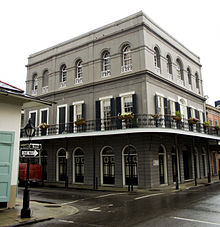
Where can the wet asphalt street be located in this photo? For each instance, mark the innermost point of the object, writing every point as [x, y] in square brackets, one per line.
[193, 207]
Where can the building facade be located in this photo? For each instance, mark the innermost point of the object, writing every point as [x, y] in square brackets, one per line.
[129, 108]
[213, 118]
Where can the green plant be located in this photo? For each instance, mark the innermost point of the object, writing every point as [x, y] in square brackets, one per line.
[178, 116]
[206, 124]
[126, 116]
[217, 127]
[155, 116]
[193, 120]
[80, 121]
[43, 126]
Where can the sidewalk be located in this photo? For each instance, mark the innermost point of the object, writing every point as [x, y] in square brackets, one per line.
[45, 211]
[39, 212]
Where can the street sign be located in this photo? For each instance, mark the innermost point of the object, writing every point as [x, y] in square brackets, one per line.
[29, 153]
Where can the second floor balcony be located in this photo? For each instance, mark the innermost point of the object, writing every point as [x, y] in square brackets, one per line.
[139, 123]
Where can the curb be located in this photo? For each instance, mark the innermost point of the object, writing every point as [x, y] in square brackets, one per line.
[30, 222]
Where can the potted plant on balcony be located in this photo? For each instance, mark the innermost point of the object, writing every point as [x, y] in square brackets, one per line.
[43, 126]
[155, 116]
[206, 124]
[80, 121]
[193, 120]
[217, 128]
[126, 116]
[178, 116]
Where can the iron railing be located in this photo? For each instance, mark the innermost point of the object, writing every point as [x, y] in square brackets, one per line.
[137, 121]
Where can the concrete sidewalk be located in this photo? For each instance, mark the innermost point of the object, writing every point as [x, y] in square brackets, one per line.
[39, 212]
[45, 211]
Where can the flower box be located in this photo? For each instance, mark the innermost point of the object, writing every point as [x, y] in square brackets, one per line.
[217, 127]
[43, 126]
[206, 124]
[155, 116]
[193, 121]
[178, 116]
[126, 116]
[80, 121]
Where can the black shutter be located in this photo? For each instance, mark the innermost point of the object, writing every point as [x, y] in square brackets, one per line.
[84, 110]
[167, 113]
[156, 104]
[118, 112]
[113, 117]
[44, 116]
[134, 102]
[189, 112]
[98, 115]
[177, 106]
[71, 118]
[84, 116]
[203, 116]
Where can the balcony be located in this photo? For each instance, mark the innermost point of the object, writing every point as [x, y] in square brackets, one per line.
[138, 123]
[44, 89]
[78, 80]
[126, 68]
[63, 84]
[105, 73]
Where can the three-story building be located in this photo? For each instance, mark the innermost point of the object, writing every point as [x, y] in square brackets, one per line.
[130, 108]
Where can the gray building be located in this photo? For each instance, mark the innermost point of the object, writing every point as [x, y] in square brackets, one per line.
[129, 109]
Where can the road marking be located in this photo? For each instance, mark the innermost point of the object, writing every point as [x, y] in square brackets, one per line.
[194, 220]
[147, 196]
[102, 196]
[74, 201]
[96, 209]
[66, 221]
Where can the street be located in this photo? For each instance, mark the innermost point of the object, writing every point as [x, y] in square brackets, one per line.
[193, 207]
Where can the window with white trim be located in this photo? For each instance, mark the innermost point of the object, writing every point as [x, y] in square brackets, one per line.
[157, 60]
[160, 103]
[35, 83]
[126, 59]
[79, 69]
[172, 108]
[169, 65]
[63, 73]
[106, 64]
[78, 111]
[127, 104]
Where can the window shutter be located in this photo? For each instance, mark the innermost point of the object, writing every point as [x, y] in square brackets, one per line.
[177, 106]
[71, 118]
[84, 110]
[98, 116]
[167, 113]
[118, 111]
[112, 102]
[134, 100]
[156, 104]
[203, 116]
[189, 113]
[165, 101]
[197, 114]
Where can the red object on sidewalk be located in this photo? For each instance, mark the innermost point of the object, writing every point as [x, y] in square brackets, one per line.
[35, 172]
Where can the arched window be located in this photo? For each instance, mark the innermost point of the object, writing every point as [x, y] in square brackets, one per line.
[197, 80]
[189, 76]
[126, 59]
[157, 59]
[34, 82]
[43, 157]
[106, 61]
[79, 69]
[162, 165]
[179, 69]
[45, 79]
[78, 160]
[130, 165]
[63, 73]
[61, 165]
[108, 166]
[169, 65]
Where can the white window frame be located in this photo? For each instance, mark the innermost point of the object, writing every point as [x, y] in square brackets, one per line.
[29, 116]
[126, 61]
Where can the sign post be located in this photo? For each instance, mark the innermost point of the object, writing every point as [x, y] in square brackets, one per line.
[26, 211]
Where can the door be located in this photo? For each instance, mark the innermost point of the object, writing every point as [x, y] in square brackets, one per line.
[44, 120]
[6, 157]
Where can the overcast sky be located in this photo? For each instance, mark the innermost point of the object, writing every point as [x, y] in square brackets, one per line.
[28, 26]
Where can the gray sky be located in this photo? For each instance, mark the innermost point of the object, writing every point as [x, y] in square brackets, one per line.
[28, 26]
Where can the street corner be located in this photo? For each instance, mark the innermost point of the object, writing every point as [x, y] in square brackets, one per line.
[40, 211]
[44, 209]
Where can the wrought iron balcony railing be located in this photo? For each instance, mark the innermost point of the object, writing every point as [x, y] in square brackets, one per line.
[137, 121]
